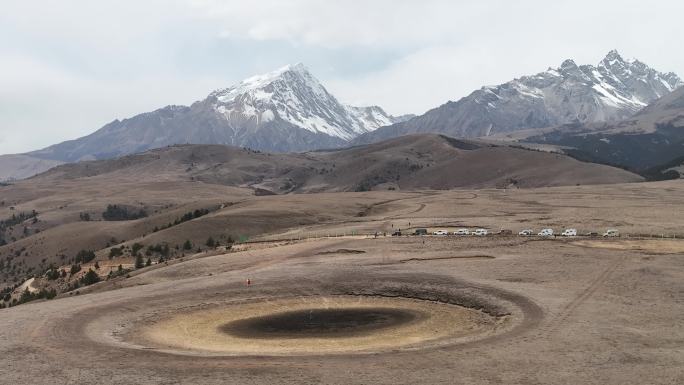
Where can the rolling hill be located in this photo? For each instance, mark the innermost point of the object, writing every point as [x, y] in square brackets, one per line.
[184, 192]
[411, 162]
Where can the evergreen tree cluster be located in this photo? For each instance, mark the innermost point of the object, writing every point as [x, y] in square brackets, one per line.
[122, 213]
[190, 215]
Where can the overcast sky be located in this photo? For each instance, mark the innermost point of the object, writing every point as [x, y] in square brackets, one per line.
[67, 67]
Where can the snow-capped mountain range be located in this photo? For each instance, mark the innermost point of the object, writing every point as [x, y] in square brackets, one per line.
[284, 110]
[612, 90]
[290, 110]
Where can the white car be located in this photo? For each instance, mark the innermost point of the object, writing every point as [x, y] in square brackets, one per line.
[440, 232]
[526, 233]
[480, 232]
[611, 233]
[462, 232]
[546, 233]
[569, 233]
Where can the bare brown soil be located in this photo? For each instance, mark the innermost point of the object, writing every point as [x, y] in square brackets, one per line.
[660, 246]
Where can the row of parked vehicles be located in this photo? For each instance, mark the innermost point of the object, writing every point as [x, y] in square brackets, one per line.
[568, 233]
[523, 233]
[478, 232]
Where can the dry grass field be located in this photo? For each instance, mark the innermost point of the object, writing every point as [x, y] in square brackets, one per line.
[190, 193]
[462, 310]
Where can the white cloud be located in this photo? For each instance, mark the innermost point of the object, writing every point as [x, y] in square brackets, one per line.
[336, 23]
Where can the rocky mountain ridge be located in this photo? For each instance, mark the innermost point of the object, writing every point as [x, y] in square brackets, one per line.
[610, 91]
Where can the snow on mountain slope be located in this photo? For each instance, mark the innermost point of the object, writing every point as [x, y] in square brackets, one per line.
[290, 94]
[614, 89]
[293, 95]
[374, 117]
[651, 138]
[284, 110]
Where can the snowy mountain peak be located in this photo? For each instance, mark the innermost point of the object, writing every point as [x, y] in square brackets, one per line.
[612, 90]
[292, 97]
[613, 56]
[297, 67]
[568, 65]
[283, 110]
[287, 74]
[374, 117]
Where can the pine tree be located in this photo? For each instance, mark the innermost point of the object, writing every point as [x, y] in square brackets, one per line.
[90, 278]
[211, 242]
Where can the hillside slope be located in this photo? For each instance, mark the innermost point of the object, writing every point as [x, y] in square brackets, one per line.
[191, 192]
[411, 162]
[652, 137]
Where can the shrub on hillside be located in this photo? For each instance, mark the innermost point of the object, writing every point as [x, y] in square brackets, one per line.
[74, 269]
[84, 256]
[90, 278]
[52, 274]
[115, 252]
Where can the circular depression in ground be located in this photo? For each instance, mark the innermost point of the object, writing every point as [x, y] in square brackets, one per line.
[314, 325]
[320, 323]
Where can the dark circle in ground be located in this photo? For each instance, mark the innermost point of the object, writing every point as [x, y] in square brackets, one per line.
[320, 323]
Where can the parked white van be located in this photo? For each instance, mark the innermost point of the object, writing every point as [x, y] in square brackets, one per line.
[611, 233]
[526, 233]
[569, 233]
[441, 232]
[546, 233]
[480, 232]
[462, 232]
